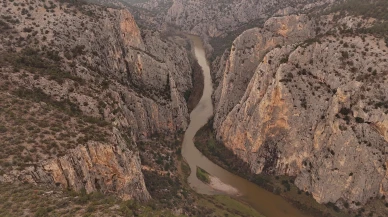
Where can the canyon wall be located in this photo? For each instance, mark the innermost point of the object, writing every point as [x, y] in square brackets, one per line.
[308, 99]
[91, 85]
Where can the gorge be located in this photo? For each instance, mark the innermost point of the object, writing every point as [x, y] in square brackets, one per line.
[193, 108]
[265, 202]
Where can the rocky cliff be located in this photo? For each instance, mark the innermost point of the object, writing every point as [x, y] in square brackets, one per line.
[217, 22]
[234, 70]
[307, 98]
[81, 85]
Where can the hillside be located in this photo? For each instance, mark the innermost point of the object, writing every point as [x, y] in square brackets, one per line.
[305, 96]
[92, 112]
[79, 92]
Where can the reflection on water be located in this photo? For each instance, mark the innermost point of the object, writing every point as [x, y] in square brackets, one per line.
[267, 203]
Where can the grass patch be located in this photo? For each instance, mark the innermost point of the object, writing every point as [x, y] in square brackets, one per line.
[185, 169]
[203, 175]
[223, 205]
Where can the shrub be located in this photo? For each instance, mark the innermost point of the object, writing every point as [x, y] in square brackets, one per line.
[332, 205]
[345, 54]
[284, 59]
[286, 185]
[187, 95]
[345, 111]
[78, 50]
[3, 129]
[83, 197]
[41, 212]
[27, 29]
[343, 128]
[359, 120]
[4, 25]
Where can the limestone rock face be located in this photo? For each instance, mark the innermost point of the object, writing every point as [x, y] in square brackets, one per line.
[312, 109]
[237, 66]
[109, 168]
[102, 167]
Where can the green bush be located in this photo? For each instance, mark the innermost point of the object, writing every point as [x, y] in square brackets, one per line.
[203, 175]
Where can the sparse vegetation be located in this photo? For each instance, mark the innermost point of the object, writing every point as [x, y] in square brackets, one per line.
[18, 200]
[376, 8]
[45, 64]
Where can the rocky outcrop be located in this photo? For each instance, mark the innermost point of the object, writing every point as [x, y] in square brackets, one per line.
[95, 166]
[314, 110]
[237, 66]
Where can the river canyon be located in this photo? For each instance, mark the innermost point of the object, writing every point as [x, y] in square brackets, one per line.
[265, 202]
[111, 107]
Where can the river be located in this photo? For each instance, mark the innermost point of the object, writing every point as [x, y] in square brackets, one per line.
[265, 202]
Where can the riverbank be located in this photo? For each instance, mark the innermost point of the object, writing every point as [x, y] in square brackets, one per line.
[213, 205]
[194, 95]
[218, 185]
[205, 142]
[215, 183]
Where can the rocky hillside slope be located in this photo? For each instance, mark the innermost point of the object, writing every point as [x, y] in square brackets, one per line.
[80, 86]
[217, 22]
[214, 18]
[306, 96]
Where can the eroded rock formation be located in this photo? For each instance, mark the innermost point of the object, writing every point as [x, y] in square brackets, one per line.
[314, 109]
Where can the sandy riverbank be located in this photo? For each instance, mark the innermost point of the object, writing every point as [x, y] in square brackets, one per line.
[218, 185]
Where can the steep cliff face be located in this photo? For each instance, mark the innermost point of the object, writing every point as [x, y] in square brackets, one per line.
[235, 69]
[94, 166]
[314, 109]
[91, 85]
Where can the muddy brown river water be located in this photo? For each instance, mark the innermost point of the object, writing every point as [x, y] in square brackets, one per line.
[263, 201]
